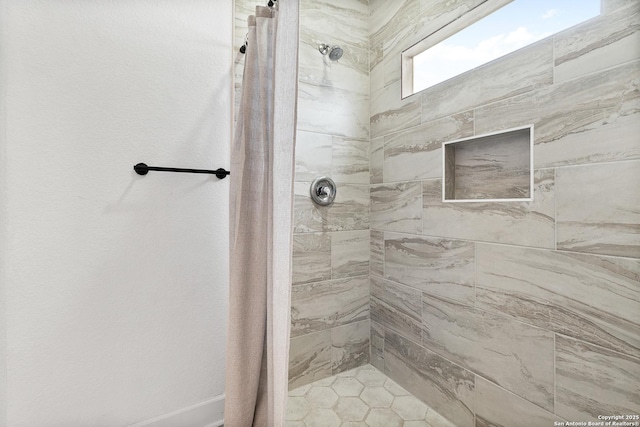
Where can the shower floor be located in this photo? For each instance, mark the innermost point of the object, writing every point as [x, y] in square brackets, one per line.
[361, 397]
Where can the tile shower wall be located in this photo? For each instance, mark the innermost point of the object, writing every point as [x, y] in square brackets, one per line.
[330, 294]
[521, 313]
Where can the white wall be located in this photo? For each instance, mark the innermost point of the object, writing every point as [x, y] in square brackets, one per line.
[3, 341]
[116, 284]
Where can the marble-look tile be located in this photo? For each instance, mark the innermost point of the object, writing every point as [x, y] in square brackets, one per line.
[445, 387]
[397, 35]
[589, 297]
[416, 153]
[377, 397]
[434, 419]
[597, 44]
[392, 60]
[347, 386]
[339, 112]
[311, 257]
[376, 161]
[410, 408]
[516, 356]
[528, 223]
[397, 307]
[397, 207]
[313, 155]
[314, 307]
[351, 411]
[345, 20]
[592, 381]
[350, 161]
[349, 211]
[354, 300]
[391, 113]
[349, 346]
[436, 14]
[395, 389]
[307, 216]
[383, 417]
[321, 397]
[309, 358]
[491, 167]
[519, 72]
[350, 253]
[572, 119]
[390, 21]
[440, 267]
[611, 6]
[323, 305]
[376, 67]
[335, 22]
[449, 163]
[376, 263]
[297, 408]
[597, 209]
[299, 392]
[371, 377]
[496, 407]
[377, 345]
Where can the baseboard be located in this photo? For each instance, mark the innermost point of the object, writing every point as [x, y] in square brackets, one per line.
[209, 413]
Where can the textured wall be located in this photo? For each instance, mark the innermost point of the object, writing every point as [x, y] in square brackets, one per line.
[116, 284]
[330, 295]
[521, 313]
[3, 216]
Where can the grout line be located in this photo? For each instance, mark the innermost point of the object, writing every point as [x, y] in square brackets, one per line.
[555, 209]
[475, 275]
[475, 400]
[510, 245]
[601, 71]
[384, 254]
[474, 122]
[603, 163]
[555, 384]
[600, 347]
[517, 396]
[553, 59]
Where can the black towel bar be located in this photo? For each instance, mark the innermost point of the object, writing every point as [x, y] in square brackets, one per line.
[143, 169]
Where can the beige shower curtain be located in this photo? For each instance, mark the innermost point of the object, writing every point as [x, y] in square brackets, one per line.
[261, 208]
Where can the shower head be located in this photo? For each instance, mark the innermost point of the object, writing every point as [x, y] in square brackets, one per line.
[334, 52]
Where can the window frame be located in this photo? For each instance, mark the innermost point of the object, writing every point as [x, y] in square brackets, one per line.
[469, 18]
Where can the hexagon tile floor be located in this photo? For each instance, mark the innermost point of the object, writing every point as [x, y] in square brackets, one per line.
[361, 397]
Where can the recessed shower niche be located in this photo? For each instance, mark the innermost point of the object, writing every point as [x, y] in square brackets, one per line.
[491, 167]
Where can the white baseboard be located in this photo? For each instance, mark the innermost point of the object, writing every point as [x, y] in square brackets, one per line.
[209, 413]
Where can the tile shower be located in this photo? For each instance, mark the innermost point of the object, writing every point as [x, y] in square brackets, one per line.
[505, 314]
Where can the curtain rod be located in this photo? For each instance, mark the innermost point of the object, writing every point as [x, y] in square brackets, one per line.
[243, 48]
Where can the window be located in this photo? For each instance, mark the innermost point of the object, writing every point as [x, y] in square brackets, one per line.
[514, 26]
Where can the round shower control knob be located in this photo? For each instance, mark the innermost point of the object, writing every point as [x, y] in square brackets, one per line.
[323, 191]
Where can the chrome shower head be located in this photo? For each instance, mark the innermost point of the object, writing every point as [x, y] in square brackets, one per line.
[334, 52]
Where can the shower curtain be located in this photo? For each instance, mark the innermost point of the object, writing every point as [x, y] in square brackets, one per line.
[261, 212]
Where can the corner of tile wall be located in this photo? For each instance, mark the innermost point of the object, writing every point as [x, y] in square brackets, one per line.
[557, 277]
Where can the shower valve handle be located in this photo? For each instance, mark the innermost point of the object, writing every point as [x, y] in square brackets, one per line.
[323, 191]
